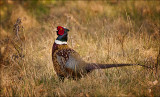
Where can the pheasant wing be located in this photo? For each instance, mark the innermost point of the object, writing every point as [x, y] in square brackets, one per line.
[68, 58]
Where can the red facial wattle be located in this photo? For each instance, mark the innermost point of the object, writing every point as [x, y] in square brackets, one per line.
[60, 30]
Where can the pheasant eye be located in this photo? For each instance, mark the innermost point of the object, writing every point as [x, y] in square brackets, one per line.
[60, 32]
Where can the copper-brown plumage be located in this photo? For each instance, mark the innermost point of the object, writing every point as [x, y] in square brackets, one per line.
[68, 63]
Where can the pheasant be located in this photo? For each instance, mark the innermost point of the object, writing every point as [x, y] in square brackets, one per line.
[68, 63]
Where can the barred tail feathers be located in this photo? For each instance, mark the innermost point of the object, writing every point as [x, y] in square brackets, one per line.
[92, 66]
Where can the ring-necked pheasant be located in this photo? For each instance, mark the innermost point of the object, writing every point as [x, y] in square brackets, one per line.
[68, 63]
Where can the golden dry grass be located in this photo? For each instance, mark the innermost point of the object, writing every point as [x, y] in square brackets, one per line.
[99, 35]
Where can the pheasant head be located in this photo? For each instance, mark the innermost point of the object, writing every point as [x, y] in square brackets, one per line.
[62, 33]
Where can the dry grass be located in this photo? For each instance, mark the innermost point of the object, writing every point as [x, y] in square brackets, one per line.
[99, 36]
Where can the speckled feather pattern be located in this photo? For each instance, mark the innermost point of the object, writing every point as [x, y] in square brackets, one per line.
[60, 55]
[68, 63]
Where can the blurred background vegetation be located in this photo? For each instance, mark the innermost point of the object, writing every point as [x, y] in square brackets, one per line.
[139, 11]
[113, 31]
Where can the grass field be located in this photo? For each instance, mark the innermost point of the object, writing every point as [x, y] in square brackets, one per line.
[100, 31]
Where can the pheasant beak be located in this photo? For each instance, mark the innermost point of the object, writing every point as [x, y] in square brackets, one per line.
[55, 30]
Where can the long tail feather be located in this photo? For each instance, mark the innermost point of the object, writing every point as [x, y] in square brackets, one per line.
[92, 66]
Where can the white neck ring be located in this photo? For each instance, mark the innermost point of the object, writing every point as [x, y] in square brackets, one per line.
[60, 42]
